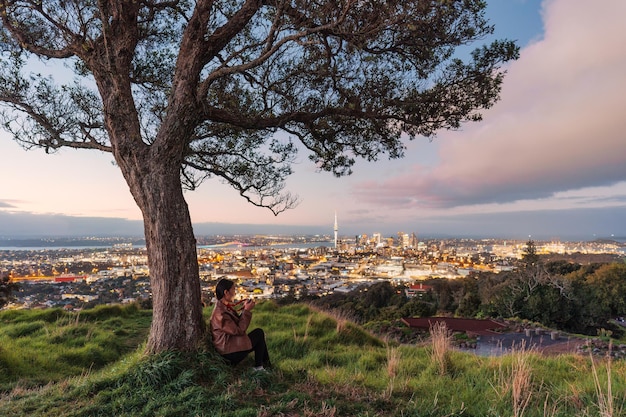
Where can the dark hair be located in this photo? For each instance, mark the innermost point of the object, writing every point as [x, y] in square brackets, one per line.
[222, 286]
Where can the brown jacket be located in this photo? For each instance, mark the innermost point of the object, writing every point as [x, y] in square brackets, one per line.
[229, 330]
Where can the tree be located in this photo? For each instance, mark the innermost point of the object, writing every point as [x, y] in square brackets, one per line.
[468, 298]
[418, 307]
[378, 295]
[529, 253]
[179, 91]
[7, 288]
[609, 283]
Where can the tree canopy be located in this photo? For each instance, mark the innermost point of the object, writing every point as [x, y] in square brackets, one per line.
[346, 78]
[181, 91]
[6, 290]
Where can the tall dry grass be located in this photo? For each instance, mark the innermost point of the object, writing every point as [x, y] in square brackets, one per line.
[393, 365]
[325, 410]
[441, 343]
[521, 382]
[307, 326]
[393, 361]
[342, 318]
[516, 382]
[605, 396]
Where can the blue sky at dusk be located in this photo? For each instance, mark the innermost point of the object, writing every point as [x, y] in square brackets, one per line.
[548, 160]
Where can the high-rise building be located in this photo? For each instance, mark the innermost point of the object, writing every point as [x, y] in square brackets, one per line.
[403, 240]
[406, 242]
[336, 229]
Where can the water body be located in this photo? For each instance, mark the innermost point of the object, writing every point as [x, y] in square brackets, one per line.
[308, 245]
[44, 248]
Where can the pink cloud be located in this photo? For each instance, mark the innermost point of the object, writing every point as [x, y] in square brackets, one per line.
[559, 125]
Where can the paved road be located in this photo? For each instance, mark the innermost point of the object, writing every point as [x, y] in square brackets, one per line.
[501, 344]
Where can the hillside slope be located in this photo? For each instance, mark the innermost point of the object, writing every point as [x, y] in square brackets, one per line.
[54, 363]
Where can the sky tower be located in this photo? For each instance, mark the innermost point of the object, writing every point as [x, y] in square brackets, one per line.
[335, 230]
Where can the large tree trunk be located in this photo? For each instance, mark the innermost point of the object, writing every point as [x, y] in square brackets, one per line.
[152, 173]
[177, 322]
[153, 176]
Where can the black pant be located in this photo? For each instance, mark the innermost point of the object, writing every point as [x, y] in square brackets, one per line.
[261, 356]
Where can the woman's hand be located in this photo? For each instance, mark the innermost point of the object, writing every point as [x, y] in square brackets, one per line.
[249, 304]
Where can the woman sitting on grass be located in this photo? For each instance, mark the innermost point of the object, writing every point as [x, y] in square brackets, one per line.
[228, 327]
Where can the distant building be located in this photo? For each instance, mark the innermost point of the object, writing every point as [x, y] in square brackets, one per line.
[336, 230]
[417, 290]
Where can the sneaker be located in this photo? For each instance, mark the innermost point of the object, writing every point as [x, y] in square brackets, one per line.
[259, 369]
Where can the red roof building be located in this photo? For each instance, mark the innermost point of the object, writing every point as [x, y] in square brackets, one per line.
[417, 289]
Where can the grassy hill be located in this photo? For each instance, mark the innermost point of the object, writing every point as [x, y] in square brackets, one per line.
[54, 363]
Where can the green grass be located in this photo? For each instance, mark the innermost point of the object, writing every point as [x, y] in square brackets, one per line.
[40, 346]
[54, 363]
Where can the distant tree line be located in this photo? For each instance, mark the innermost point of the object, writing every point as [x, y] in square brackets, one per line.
[558, 294]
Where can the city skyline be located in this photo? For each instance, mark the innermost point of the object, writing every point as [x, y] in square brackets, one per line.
[59, 226]
[548, 160]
